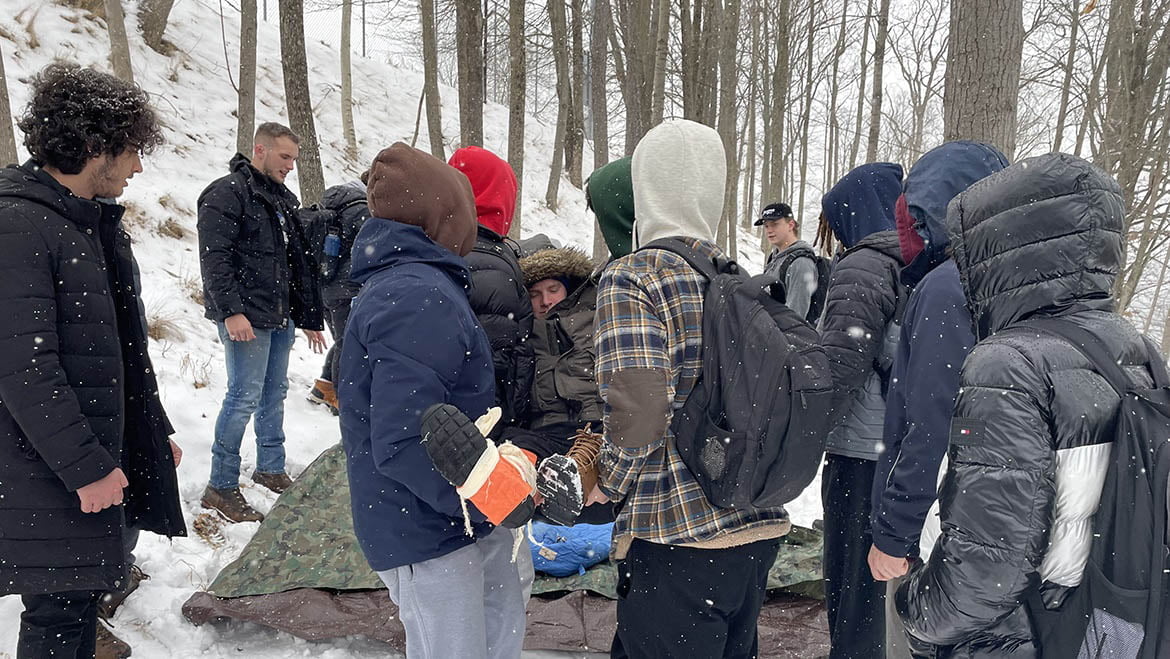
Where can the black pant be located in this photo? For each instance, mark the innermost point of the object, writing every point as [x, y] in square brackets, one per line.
[685, 602]
[59, 625]
[855, 602]
[336, 318]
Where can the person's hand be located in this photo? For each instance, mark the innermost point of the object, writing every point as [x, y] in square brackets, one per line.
[596, 496]
[176, 453]
[103, 493]
[239, 328]
[316, 340]
[885, 567]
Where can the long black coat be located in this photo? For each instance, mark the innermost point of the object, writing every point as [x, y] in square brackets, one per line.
[78, 395]
[1033, 420]
[500, 301]
[253, 254]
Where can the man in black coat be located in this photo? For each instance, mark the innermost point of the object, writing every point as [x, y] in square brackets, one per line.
[84, 455]
[259, 285]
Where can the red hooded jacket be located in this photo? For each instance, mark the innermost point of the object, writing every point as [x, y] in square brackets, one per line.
[493, 183]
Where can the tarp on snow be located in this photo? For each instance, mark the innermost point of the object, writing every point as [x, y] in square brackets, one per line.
[304, 573]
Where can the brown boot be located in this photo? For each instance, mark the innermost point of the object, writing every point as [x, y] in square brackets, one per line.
[276, 482]
[110, 646]
[324, 393]
[585, 451]
[110, 602]
[231, 504]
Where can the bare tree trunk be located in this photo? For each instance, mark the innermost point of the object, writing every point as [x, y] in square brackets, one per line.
[635, 21]
[152, 20]
[781, 81]
[728, 78]
[556, 15]
[7, 135]
[661, 48]
[598, 106]
[834, 128]
[246, 103]
[119, 46]
[806, 112]
[1069, 63]
[300, 105]
[575, 127]
[1166, 336]
[469, 54]
[1157, 296]
[517, 90]
[856, 148]
[879, 57]
[347, 81]
[983, 72]
[431, 79]
[750, 151]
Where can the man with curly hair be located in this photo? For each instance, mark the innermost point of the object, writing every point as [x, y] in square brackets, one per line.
[85, 460]
[259, 285]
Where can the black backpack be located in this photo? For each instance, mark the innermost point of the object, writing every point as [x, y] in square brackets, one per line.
[824, 268]
[753, 430]
[326, 236]
[1119, 609]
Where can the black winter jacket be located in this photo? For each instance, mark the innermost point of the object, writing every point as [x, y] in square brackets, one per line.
[500, 301]
[78, 396]
[860, 335]
[253, 254]
[1033, 420]
[350, 201]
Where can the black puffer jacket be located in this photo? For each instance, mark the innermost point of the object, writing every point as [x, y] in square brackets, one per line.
[500, 301]
[350, 202]
[1033, 421]
[78, 395]
[253, 254]
[860, 335]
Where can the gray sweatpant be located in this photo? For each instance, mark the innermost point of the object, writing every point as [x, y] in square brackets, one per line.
[465, 604]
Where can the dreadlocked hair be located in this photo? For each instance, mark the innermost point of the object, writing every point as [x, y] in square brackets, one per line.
[825, 237]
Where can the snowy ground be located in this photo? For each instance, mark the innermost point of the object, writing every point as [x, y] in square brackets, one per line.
[192, 92]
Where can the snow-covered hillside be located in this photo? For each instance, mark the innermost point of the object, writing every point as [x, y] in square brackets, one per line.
[192, 91]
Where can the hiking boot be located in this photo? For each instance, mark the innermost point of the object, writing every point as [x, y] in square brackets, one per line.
[108, 645]
[324, 393]
[276, 482]
[230, 504]
[565, 480]
[109, 603]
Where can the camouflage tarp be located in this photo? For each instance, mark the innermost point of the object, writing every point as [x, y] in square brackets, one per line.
[307, 541]
[797, 570]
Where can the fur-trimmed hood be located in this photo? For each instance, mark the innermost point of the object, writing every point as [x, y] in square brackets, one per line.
[561, 262]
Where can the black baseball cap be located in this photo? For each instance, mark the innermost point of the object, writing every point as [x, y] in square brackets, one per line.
[774, 212]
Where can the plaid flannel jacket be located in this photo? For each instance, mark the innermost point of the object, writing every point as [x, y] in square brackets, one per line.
[649, 316]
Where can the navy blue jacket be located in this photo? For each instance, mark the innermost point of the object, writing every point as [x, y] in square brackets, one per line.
[411, 342]
[937, 334]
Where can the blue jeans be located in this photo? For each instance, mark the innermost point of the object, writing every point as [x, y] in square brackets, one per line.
[257, 374]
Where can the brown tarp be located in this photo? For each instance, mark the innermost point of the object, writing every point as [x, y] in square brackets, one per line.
[790, 625]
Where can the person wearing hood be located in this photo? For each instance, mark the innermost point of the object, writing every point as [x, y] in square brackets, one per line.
[609, 193]
[259, 286]
[498, 295]
[859, 332]
[792, 261]
[412, 342]
[693, 576]
[348, 202]
[85, 460]
[936, 337]
[1034, 420]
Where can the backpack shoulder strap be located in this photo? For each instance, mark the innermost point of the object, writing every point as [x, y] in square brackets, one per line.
[1089, 345]
[705, 266]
